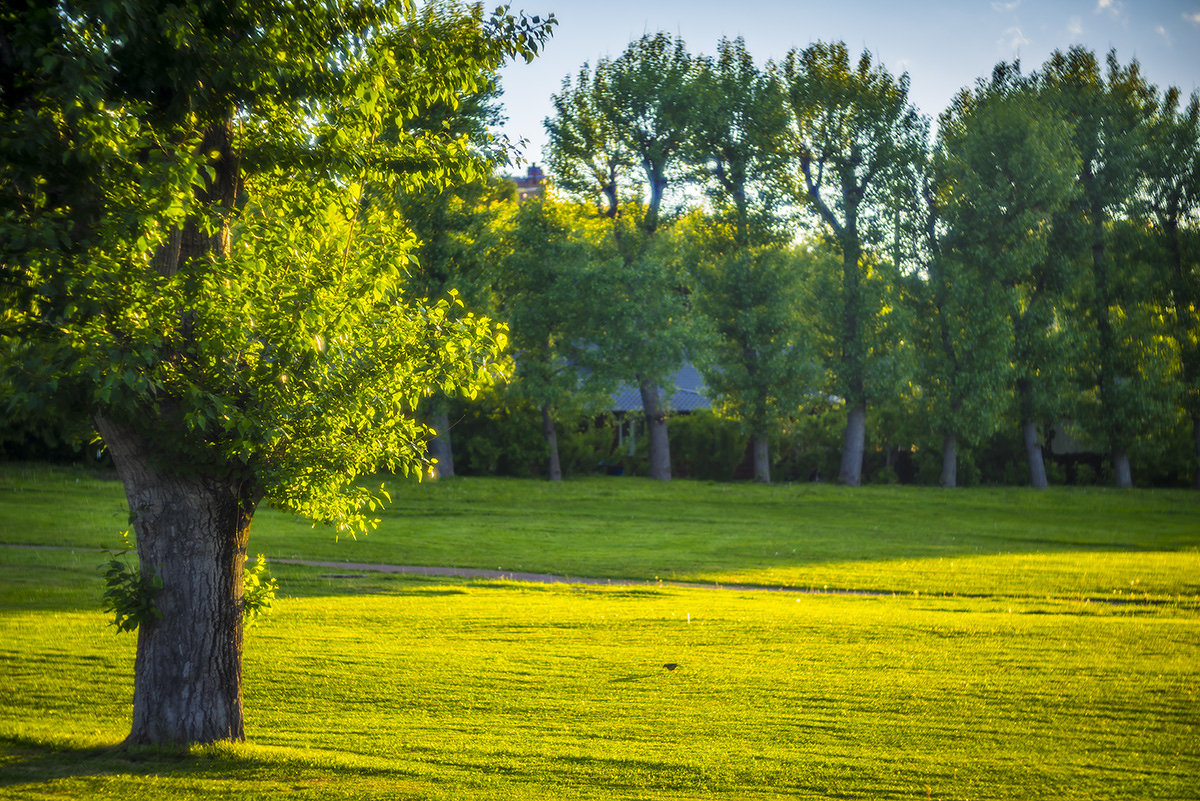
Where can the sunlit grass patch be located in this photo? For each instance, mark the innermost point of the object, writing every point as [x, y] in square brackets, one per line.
[505, 690]
[1015, 645]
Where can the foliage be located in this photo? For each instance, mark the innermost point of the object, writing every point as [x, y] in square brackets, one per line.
[128, 592]
[555, 281]
[854, 140]
[737, 127]
[707, 446]
[1003, 169]
[227, 275]
[760, 365]
[1110, 112]
[259, 589]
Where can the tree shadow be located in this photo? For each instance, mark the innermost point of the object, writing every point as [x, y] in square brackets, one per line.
[33, 760]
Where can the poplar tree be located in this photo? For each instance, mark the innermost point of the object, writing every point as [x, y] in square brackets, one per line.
[618, 136]
[854, 137]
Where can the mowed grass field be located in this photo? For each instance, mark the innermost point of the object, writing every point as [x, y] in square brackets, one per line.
[1024, 645]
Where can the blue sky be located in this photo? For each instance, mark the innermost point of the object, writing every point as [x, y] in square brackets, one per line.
[944, 45]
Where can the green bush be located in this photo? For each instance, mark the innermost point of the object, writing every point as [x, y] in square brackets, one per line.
[705, 446]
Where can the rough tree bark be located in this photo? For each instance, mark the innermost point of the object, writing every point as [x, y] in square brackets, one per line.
[551, 442]
[949, 460]
[192, 532]
[656, 430]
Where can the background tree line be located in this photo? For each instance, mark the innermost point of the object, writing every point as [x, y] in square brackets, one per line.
[1022, 280]
[955, 299]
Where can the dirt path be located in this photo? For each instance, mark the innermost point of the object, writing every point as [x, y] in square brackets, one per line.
[513, 575]
[549, 578]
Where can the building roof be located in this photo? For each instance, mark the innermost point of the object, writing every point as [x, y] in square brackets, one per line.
[684, 392]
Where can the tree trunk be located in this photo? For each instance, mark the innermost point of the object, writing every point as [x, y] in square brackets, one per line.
[1196, 463]
[760, 444]
[551, 442]
[192, 532]
[656, 431]
[439, 446]
[853, 446]
[1122, 476]
[949, 460]
[1033, 452]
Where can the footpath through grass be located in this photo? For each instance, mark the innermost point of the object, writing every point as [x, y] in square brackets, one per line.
[1023, 685]
[1075, 543]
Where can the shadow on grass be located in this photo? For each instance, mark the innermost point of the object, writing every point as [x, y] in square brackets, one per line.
[33, 760]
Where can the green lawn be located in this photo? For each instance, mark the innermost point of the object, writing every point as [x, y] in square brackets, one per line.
[1003, 669]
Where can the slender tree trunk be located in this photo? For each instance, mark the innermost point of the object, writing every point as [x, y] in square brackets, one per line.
[853, 360]
[440, 444]
[1122, 476]
[1108, 377]
[1183, 301]
[760, 445]
[656, 431]
[1196, 463]
[949, 460]
[1033, 453]
[192, 532]
[853, 446]
[551, 442]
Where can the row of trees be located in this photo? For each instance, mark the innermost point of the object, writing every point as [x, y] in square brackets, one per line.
[1036, 259]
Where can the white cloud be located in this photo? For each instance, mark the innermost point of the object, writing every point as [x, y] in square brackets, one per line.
[1075, 26]
[1114, 7]
[1161, 31]
[1013, 39]
[1001, 5]
[1193, 17]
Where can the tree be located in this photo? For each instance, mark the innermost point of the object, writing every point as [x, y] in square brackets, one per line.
[1173, 197]
[1109, 112]
[760, 364]
[1003, 169]
[452, 226]
[199, 228]
[456, 232]
[854, 137]
[618, 136]
[553, 282]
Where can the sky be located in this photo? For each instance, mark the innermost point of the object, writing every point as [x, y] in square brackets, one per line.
[944, 45]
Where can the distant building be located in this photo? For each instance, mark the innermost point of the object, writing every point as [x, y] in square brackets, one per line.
[685, 392]
[532, 185]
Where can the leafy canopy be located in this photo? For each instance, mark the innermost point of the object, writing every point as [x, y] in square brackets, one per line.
[200, 231]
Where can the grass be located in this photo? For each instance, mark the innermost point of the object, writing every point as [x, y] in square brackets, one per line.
[1003, 676]
[1076, 543]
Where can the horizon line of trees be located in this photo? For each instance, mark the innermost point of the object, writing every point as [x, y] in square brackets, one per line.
[798, 232]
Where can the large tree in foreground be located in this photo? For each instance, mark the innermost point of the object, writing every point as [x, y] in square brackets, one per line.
[200, 242]
[855, 137]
